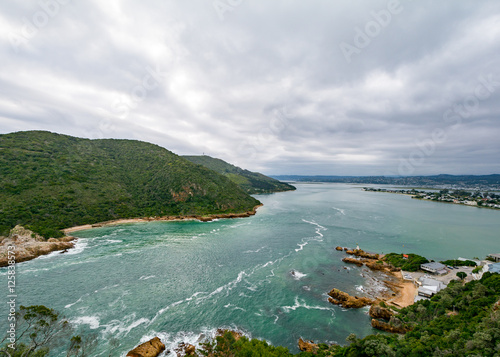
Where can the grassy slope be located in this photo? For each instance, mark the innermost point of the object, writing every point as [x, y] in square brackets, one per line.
[250, 182]
[50, 181]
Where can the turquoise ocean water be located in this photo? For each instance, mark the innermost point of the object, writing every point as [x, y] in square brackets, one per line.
[266, 275]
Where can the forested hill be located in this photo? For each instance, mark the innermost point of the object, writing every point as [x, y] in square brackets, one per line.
[50, 181]
[251, 182]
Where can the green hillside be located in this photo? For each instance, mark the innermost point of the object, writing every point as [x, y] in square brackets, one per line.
[50, 181]
[250, 182]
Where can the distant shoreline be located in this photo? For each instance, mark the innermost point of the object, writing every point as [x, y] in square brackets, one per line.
[201, 218]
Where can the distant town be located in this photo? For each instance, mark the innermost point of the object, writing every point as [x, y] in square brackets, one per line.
[463, 197]
[474, 183]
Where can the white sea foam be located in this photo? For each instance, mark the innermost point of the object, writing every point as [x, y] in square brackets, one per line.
[76, 302]
[50, 255]
[255, 251]
[122, 327]
[301, 304]
[79, 247]
[234, 307]
[146, 277]
[297, 275]
[342, 211]
[301, 245]
[92, 321]
[360, 288]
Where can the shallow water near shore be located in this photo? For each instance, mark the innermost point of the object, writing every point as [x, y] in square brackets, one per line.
[265, 275]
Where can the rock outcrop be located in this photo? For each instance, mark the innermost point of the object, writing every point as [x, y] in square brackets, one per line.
[339, 248]
[379, 312]
[351, 260]
[373, 264]
[307, 346]
[394, 325]
[343, 299]
[152, 348]
[29, 245]
[237, 335]
[362, 254]
[185, 349]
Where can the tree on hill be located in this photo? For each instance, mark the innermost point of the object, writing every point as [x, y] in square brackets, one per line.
[50, 181]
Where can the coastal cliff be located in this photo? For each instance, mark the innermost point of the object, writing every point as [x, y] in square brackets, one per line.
[29, 245]
[51, 181]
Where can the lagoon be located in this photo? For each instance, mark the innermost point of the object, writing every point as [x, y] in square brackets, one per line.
[183, 280]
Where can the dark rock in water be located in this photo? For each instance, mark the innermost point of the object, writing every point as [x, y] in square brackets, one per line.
[353, 261]
[152, 348]
[339, 249]
[185, 349]
[308, 346]
[379, 312]
[343, 299]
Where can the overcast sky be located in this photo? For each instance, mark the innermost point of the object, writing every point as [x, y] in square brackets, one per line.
[282, 87]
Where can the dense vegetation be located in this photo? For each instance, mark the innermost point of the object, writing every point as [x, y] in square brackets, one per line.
[461, 320]
[411, 264]
[460, 263]
[250, 182]
[49, 182]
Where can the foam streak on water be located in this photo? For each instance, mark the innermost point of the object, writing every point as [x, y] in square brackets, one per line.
[179, 280]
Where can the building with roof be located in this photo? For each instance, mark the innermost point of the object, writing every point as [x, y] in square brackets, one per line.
[434, 268]
[495, 257]
[429, 287]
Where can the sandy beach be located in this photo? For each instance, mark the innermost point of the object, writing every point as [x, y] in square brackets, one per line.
[202, 218]
[405, 295]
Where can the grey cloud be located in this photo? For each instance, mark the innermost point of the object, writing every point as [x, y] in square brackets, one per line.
[267, 87]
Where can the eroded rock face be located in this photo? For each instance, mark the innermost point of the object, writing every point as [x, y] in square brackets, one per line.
[185, 349]
[350, 260]
[394, 325]
[379, 312]
[29, 245]
[308, 346]
[373, 264]
[343, 299]
[237, 335]
[152, 348]
[361, 253]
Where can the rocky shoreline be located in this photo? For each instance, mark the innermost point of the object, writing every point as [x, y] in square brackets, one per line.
[201, 218]
[383, 318]
[28, 245]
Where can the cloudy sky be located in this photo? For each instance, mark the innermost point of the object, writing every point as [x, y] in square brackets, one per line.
[348, 87]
